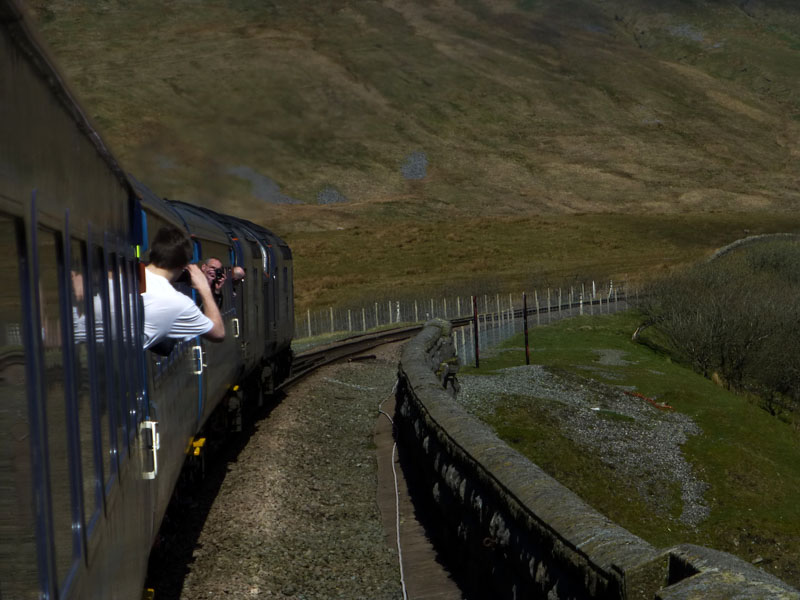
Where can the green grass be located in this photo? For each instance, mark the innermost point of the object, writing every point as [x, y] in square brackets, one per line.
[748, 458]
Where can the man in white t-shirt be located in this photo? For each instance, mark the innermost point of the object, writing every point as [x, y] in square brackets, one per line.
[167, 312]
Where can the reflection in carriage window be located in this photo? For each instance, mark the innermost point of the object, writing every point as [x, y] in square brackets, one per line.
[18, 573]
[102, 387]
[55, 398]
[129, 351]
[91, 483]
[119, 380]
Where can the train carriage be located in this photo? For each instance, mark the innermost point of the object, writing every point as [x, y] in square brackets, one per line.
[93, 429]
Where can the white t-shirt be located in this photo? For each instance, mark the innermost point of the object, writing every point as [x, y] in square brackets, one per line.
[168, 313]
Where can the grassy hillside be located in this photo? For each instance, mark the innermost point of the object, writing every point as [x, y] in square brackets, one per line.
[404, 120]
[747, 458]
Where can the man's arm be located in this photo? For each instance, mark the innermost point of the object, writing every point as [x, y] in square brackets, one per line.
[210, 308]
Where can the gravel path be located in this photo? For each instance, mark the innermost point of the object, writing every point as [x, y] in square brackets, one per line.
[296, 514]
[644, 445]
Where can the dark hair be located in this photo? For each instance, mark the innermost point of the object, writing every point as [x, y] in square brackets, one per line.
[171, 248]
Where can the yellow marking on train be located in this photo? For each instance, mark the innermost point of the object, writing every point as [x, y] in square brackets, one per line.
[198, 445]
[149, 594]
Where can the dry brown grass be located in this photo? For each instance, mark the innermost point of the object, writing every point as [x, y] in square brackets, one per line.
[526, 111]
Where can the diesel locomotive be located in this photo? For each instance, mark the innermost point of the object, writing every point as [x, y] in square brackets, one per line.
[94, 429]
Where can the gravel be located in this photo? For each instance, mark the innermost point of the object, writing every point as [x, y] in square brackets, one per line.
[293, 512]
[296, 515]
[643, 443]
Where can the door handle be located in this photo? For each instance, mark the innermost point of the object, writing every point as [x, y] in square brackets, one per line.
[197, 353]
[151, 442]
[236, 331]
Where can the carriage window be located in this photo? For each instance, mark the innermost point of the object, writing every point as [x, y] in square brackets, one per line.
[129, 296]
[91, 482]
[285, 292]
[102, 381]
[18, 573]
[55, 399]
[118, 366]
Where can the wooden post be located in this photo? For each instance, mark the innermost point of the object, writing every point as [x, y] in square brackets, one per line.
[331, 319]
[536, 297]
[376, 315]
[525, 327]
[548, 305]
[559, 301]
[475, 328]
[390, 312]
[416, 312]
[349, 321]
[458, 306]
[309, 322]
[363, 319]
[444, 302]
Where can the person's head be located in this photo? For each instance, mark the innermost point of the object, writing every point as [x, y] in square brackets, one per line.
[238, 274]
[213, 270]
[171, 249]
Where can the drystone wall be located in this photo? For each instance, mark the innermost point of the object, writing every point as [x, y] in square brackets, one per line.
[513, 531]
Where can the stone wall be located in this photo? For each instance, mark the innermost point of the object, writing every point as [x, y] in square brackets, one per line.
[514, 532]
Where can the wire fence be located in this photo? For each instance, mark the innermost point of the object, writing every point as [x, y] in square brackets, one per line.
[333, 323]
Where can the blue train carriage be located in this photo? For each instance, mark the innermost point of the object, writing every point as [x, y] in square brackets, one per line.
[75, 512]
[264, 302]
[278, 270]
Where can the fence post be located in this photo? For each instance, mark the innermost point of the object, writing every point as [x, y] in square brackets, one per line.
[363, 319]
[376, 315]
[475, 328]
[397, 320]
[331, 308]
[536, 298]
[444, 301]
[548, 305]
[525, 327]
[349, 321]
[308, 314]
[559, 301]
[416, 312]
[458, 306]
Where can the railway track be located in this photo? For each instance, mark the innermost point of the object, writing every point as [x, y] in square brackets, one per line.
[308, 361]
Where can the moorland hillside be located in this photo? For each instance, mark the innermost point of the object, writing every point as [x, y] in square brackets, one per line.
[427, 129]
